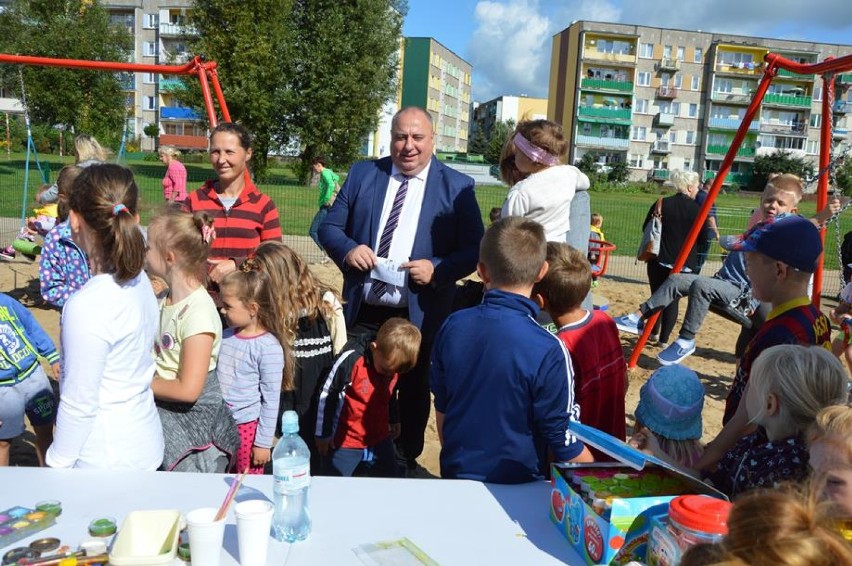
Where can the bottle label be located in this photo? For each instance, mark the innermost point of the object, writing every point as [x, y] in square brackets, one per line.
[292, 478]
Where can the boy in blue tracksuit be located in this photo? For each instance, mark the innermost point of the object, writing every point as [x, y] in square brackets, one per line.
[503, 385]
[24, 387]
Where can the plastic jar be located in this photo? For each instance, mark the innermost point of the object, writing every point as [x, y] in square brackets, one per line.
[692, 519]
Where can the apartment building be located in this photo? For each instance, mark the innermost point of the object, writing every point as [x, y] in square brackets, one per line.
[435, 78]
[505, 108]
[664, 99]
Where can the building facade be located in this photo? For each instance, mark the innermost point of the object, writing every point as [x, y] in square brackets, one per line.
[435, 78]
[662, 99]
[505, 108]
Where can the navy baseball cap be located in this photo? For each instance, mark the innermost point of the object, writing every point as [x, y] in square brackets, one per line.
[792, 240]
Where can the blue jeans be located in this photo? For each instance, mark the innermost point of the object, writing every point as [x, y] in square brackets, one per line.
[313, 231]
[381, 460]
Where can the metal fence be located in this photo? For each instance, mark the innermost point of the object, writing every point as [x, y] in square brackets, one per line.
[297, 205]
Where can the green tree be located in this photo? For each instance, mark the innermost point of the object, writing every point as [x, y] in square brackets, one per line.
[251, 43]
[500, 132]
[588, 163]
[843, 176]
[345, 61]
[80, 100]
[477, 144]
[618, 172]
[778, 162]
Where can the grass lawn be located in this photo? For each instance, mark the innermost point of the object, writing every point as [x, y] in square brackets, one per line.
[623, 212]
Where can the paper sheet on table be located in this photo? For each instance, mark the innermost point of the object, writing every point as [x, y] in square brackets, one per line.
[389, 271]
[400, 552]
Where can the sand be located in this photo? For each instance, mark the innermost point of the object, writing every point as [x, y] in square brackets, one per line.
[713, 359]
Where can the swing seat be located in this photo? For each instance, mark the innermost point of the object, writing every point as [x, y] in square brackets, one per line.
[732, 313]
[600, 250]
[26, 247]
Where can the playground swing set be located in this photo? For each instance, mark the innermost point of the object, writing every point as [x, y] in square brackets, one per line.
[197, 66]
[828, 69]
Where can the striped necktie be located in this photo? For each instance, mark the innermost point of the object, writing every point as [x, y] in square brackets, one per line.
[380, 287]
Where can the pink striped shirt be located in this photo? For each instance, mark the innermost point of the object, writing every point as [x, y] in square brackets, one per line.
[174, 183]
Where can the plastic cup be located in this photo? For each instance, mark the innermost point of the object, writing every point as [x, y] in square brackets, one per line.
[254, 522]
[205, 536]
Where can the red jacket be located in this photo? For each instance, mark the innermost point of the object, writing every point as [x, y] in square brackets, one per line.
[251, 220]
[356, 404]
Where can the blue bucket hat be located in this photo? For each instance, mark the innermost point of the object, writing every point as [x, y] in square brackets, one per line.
[792, 240]
[670, 403]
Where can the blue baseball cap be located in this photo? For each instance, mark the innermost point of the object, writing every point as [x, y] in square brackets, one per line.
[793, 240]
[670, 403]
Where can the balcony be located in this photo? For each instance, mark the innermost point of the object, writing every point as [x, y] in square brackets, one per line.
[177, 113]
[170, 84]
[791, 75]
[844, 79]
[661, 146]
[788, 100]
[176, 30]
[659, 174]
[184, 142]
[841, 107]
[607, 143]
[731, 178]
[743, 151]
[604, 115]
[795, 129]
[669, 64]
[664, 119]
[732, 97]
[618, 58]
[739, 69]
[840, 133]
[604, 84]
[731, 124]
[668, 92]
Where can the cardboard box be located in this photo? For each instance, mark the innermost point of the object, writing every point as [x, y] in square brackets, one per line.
[619, 534]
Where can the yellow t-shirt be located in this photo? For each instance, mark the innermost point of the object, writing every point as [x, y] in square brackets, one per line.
[196, 314]
[51, 210]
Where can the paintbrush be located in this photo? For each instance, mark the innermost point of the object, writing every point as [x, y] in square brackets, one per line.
[223, 510]
[72, 560]
[52, 559]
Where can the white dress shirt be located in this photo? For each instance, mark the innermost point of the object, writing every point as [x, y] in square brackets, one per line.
[403, 237]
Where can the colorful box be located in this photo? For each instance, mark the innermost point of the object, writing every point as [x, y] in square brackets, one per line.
[605, 509]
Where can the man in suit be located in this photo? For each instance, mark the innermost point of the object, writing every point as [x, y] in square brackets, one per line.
[407, 214]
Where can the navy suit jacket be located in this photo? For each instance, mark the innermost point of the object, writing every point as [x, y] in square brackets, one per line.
[448, 233]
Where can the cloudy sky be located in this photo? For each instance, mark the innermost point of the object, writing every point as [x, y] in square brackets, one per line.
[508, 41]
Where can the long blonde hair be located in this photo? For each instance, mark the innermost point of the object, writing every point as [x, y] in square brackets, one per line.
[250, 285]
[297, 291]
[805, 379]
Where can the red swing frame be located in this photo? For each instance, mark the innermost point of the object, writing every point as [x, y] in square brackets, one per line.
[772, 63]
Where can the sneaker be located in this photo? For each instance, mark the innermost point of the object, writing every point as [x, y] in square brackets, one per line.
[628, 324]
[677, 352]
[8, 253]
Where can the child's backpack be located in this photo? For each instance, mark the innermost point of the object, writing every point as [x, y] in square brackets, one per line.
[846, 255]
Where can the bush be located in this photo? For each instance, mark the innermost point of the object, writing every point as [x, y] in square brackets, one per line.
[778, 162]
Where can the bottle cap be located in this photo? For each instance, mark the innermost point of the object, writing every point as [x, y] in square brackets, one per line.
[102, 527]
[290, 422]
[700, 513]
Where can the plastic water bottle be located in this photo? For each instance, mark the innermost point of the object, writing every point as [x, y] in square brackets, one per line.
[291, 468]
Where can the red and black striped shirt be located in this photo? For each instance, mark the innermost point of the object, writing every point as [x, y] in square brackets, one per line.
[251, 220]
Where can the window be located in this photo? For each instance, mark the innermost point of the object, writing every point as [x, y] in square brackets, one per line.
[150, 21]
[643, 78]
[736, 59]
[646, 50]
[817, 94]
[690, 137]
[149, 103]
[587, 129]
[637, 160]
[678, 81]
[696, 83]
[693, 111]
[641, 106]
[149, 49]
[724, 85]
[666, 107]
[816, 120]
[687, 164]
[812, 147]
[665, 79]
[667, 51]
[639, 133]
[681, 53]
[697, 55]
[675, 108]
[672, 136]
[148, 78]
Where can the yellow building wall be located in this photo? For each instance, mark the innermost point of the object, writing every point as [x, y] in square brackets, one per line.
[531, 108]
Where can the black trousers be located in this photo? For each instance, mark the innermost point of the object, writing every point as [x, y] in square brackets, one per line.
[413, 393]
[657, 274]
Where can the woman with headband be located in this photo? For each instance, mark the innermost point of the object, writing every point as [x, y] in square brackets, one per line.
[542, 188]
